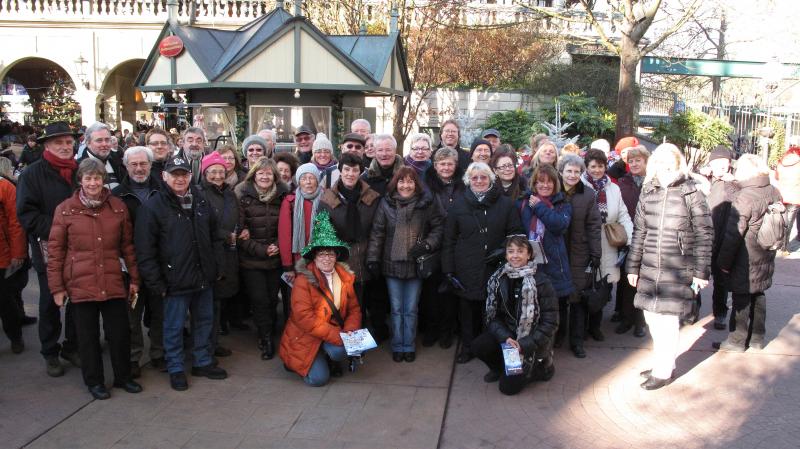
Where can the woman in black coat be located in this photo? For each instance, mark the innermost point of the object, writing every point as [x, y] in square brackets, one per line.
[749, 265]
[583, 247]
[476, 227]
[670, 255]
[521, 311]
[440, 308]
[223, 204]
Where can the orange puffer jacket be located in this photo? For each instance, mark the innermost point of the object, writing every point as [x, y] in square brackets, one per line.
[12, 237]
[85, 248]
[311, 321]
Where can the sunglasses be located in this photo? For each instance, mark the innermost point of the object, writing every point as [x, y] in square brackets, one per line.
[352, 146]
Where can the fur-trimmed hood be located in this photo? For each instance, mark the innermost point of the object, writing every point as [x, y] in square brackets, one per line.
[374, 170]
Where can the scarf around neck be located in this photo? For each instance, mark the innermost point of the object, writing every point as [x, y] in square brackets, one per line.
[403, 227]
[481, 195]
[88, 202]
[265, 196]
[537, 228]
[599, 186]
[419, 166]
[529, 302]
[65, 167]
[350, 197]
[299, 237]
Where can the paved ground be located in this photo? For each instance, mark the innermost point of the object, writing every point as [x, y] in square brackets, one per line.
[749, 400]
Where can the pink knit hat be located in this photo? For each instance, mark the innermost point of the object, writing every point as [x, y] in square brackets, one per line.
[210, 159]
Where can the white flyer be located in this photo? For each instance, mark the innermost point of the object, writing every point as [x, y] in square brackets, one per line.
[358, 341]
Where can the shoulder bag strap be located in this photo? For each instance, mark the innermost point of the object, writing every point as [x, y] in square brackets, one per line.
[334, 311]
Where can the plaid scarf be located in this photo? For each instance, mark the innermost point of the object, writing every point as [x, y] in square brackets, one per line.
[599, 186]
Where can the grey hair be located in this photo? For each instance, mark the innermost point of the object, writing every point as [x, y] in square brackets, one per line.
[571, 159]
[478, 166]
[271, 132]
[444, 153]
[194, 130]
[384, 137]
[133, 151]
[91, 166]
[416, 137]
[93, 128]
[361, 121]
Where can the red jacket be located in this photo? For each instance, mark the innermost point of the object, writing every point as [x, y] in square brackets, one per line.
[311, 321]
[787, 173]
[285, 230]
[12, 237]
[85, 248]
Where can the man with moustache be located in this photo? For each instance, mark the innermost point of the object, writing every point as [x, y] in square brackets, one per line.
[134, 190]
[193, 150]
[43, 186]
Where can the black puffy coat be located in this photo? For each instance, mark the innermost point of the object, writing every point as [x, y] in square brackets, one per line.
[474, 229]
[541, 336]
[583, 237]
[336, 205]
[426, 224]
[719, 202]
[174, 248]
[40, 190]
[261, 220]
[225, 208]
[671, 245]
[750, 266]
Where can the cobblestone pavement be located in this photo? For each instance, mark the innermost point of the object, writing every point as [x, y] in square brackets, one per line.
[749, 400]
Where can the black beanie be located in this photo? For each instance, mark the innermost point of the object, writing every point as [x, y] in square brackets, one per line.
[720, 152]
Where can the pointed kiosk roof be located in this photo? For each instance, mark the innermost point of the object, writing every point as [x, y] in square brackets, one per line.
[278, 51]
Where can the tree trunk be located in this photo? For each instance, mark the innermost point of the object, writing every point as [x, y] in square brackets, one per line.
[399, 120]
[626, 97]
[716, 81]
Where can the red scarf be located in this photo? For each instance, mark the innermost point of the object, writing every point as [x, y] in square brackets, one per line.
[534, 219]
[65, 167]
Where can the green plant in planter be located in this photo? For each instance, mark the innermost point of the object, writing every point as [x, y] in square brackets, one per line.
[589, 119]
[696, 133]
[516, 127]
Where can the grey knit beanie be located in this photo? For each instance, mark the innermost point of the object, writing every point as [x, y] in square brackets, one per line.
[306, 168]
[254, 139]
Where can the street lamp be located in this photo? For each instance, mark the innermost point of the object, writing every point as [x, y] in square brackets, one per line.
[80, 67]
[772, 76]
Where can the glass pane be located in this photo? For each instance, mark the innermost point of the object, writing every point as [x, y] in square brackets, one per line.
[286, 119]
[219, 123]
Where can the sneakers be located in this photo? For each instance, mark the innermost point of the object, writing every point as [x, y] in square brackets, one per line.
[54, 368]
[72, 357]
[178, 381]
[209, 372]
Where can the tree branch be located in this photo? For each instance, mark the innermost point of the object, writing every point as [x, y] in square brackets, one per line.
[675, 27]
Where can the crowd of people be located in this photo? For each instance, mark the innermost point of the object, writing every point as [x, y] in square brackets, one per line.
[482, 245]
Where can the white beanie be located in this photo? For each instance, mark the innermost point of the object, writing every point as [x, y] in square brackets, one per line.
[321, 142]
[602, 145]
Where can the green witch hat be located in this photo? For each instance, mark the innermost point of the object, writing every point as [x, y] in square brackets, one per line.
[324, 236]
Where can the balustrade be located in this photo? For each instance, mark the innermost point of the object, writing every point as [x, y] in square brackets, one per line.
[132, 10]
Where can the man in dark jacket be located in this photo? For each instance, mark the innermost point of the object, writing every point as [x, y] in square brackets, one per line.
[719, 202]
[98, 146]
[134, 190]
[384, 165]
[749, 265]
[173, 236]
[43, 186]
[158, 141]
[193, 150]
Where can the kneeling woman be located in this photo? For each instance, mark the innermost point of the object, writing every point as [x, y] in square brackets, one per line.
[521, 310]
[324, 304]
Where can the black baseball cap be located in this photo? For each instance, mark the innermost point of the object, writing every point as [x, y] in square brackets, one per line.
[303, 129]
[177, 163]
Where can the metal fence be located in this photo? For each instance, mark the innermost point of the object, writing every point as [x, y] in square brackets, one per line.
[749, 121]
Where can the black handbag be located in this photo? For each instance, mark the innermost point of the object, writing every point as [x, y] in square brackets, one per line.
[428, 264]
[597, 294]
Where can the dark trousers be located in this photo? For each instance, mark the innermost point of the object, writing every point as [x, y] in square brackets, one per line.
[262, 287]
[377, 304]
[286, 299]
[572, 319]
[50, 322]
[749, 317]
[155, 303]
[9, 312]
[115, 327]
[440, 310]
[625, 295]
[719, 295]
[470, 315]
[488, 350]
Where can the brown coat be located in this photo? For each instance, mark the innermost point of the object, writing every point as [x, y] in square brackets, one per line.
[261, 220]
[85, 247]
[311, 321]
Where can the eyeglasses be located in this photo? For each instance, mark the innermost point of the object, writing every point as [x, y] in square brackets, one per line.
[229, 158]
[327, 254]
[505, 167]
[420, 149]
[302, 138]
[255, 150]
[479, 178]
[158, 143]
[215, 172]
[356, 146]
[450, 131]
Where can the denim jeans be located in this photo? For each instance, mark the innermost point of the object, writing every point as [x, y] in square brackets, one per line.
[201, 305]
[404, 301]
[319, 373]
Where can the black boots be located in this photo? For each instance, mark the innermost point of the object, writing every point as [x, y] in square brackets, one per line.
[267, 347]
